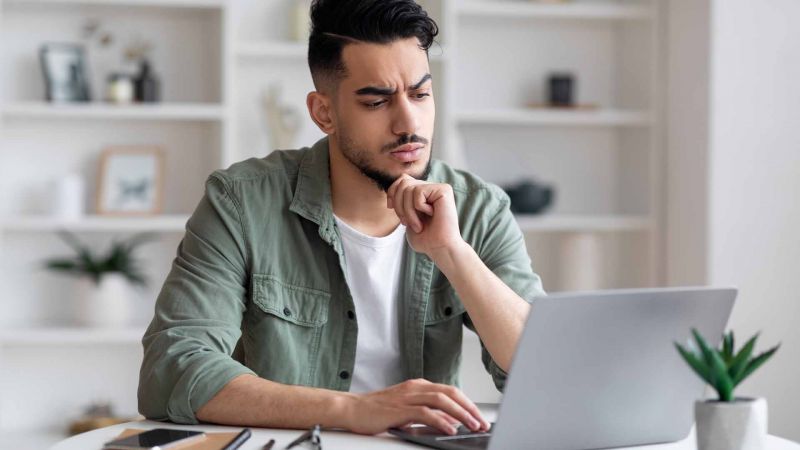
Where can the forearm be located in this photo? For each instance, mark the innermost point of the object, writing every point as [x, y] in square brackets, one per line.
[248, 400]
[497, 312]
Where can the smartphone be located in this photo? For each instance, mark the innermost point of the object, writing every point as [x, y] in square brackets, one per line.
[156, 439]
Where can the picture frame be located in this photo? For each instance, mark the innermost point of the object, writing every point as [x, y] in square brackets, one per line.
[131, 181]
[65, 72]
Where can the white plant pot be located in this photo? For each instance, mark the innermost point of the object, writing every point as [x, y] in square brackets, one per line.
[737, 425]
[103, 305]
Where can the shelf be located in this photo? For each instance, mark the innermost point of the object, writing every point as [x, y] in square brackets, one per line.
[71, 336]
[555, 117]
[187, 4]
[270, 49]
[168, 223]
[528, 10]
[589, 223]
[107, 111]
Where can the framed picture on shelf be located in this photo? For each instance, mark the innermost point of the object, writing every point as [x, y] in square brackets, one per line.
[65, 73]
[131, 181]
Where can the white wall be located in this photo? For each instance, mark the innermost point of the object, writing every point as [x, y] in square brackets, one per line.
[733, 140]
[754, 162]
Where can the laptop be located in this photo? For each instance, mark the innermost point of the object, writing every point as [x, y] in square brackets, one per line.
[597, 370]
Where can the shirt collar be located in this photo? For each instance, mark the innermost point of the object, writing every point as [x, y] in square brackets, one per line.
[312, 195]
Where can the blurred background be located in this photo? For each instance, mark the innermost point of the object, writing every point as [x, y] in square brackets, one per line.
[643, 143]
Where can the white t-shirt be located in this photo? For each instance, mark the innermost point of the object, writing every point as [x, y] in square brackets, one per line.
[373, 268]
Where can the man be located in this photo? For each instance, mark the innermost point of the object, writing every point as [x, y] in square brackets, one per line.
[331, 285]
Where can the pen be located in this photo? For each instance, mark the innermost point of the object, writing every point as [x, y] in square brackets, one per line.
[268, 445]
[238, 440]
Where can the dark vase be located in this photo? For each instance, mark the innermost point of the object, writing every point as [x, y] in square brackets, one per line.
[147, 87]
[561, 89]
[530, 197]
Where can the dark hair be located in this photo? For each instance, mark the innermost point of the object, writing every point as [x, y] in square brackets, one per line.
[336, 23]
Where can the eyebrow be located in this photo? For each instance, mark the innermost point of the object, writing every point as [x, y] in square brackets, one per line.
[374, 90]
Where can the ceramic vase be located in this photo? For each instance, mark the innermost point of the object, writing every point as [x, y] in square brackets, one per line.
[737, 425]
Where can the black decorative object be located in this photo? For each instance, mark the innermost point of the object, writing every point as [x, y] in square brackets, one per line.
[530, 197]
[146, 83]
[561, 89]
[64, 71]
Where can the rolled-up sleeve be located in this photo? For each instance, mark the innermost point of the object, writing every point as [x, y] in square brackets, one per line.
[503, 251]
[198, 313]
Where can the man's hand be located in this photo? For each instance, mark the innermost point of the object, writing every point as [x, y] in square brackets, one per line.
[428, 210]
[413, 401]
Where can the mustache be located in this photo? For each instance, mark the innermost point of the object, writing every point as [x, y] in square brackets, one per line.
[404, 139]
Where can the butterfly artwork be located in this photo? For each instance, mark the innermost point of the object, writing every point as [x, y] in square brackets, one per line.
[136, 190]
[131, 180]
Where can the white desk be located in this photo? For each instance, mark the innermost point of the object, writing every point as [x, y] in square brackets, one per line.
[331, 440]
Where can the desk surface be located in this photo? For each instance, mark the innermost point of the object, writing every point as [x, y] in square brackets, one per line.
[331, 440]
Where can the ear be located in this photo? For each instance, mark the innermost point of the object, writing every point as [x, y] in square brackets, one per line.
[320, 109]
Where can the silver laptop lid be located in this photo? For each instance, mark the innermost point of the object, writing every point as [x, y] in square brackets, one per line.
[599, 369]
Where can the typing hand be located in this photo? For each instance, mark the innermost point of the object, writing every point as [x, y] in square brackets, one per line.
[414, 401]
[428, 210]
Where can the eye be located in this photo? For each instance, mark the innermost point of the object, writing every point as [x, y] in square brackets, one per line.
[422, 95]
[375, 105]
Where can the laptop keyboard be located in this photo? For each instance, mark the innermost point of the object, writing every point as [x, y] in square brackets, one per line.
[462, 433]
[463, 439]
[466, 438]
[480, 442]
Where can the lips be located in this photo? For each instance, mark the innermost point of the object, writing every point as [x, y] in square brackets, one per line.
[407, 152]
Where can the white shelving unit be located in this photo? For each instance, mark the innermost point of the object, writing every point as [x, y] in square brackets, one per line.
[185, 4]
[272, 49]
[216, 59]
[102, 111]
[552, 223]
[52, 336]
[164, 223]
[269, 49]
[603, 159]
[40, 142]
[531, 10]
[554, 117]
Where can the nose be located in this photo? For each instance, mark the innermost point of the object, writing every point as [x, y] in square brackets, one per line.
[405, 119]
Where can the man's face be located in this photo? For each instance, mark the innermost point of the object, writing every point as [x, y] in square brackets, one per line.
[385, 110]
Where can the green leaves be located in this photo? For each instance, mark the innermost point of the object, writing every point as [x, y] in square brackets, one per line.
[723, 369]
[120, 259]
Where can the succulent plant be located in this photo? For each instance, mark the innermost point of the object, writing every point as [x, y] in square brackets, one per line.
[120, 259]
[723, 369]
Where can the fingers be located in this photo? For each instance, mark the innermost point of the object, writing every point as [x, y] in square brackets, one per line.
[421, 201]
[448, 405]
[390, 193]
[464, 402]
[409, 197]
[408, 209]
[393, 197]
[418, 401]
[423, 386]
[432, 418]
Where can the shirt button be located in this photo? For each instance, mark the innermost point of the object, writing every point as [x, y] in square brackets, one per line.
[344, 374]
[287, 312]
[351, 315]
[448, 311]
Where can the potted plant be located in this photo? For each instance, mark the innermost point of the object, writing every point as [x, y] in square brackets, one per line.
[729, 422]
[102, 292]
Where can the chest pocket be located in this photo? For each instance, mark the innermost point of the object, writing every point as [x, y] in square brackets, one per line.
[284, 329]
[299, 305]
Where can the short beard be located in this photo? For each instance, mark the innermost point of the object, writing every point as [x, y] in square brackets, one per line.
[363, 161]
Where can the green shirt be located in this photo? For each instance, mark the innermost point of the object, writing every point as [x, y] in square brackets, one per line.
[258, 287]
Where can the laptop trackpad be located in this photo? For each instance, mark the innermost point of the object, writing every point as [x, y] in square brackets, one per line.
[432, 437]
